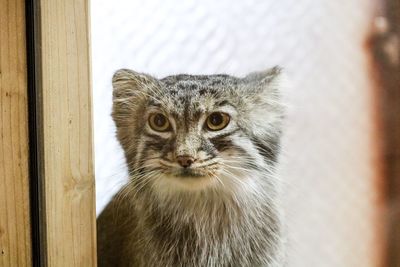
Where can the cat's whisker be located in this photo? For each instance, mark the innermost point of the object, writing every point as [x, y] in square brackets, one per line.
[237, 182]
[218, 179]
[264, 169]
[242, 183]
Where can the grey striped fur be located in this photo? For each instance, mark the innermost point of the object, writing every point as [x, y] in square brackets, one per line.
[227, 213]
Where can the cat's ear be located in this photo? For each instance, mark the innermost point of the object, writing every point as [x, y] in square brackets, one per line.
[269, 82]
[128, 85]
[131, 89]
[266, 87]
[263, 91]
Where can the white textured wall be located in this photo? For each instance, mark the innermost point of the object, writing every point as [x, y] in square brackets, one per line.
[330, 156]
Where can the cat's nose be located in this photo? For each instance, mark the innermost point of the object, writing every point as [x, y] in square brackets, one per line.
[185, 161]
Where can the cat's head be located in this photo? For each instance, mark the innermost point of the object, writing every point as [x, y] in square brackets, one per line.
[193, 132]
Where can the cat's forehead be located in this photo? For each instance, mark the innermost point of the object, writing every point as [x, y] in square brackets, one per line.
[185, 94]
[198, 82]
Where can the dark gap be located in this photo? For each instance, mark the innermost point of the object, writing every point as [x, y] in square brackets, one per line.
[35, 186]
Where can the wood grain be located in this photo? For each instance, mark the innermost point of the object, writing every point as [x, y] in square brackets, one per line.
[15, 231]
[66, 126]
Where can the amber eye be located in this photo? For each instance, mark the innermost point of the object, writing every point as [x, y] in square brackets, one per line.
[217, 121]
[158, 122]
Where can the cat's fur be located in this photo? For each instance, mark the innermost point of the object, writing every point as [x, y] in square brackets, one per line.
[229, 218]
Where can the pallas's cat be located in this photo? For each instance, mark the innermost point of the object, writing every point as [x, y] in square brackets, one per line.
[201, 152]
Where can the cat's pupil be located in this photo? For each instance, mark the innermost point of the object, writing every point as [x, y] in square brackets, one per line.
[159, 120]
[216, 119]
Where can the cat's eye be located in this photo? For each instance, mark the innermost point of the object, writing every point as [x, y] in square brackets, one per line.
[217, 121]
[158, 122]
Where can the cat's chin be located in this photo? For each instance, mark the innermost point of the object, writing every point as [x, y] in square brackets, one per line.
[185, 181]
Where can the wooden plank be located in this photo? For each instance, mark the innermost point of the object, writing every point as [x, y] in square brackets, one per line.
[66, 129]
[15, 231]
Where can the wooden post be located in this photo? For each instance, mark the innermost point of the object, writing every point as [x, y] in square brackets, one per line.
[64, 127]
[15, 229]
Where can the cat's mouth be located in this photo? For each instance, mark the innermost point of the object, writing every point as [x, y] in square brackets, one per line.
[191, 173]
[207, 170]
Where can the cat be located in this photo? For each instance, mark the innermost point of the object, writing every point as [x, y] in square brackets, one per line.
[202, 152]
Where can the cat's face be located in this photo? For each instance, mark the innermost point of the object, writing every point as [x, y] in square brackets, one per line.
[190, 133]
